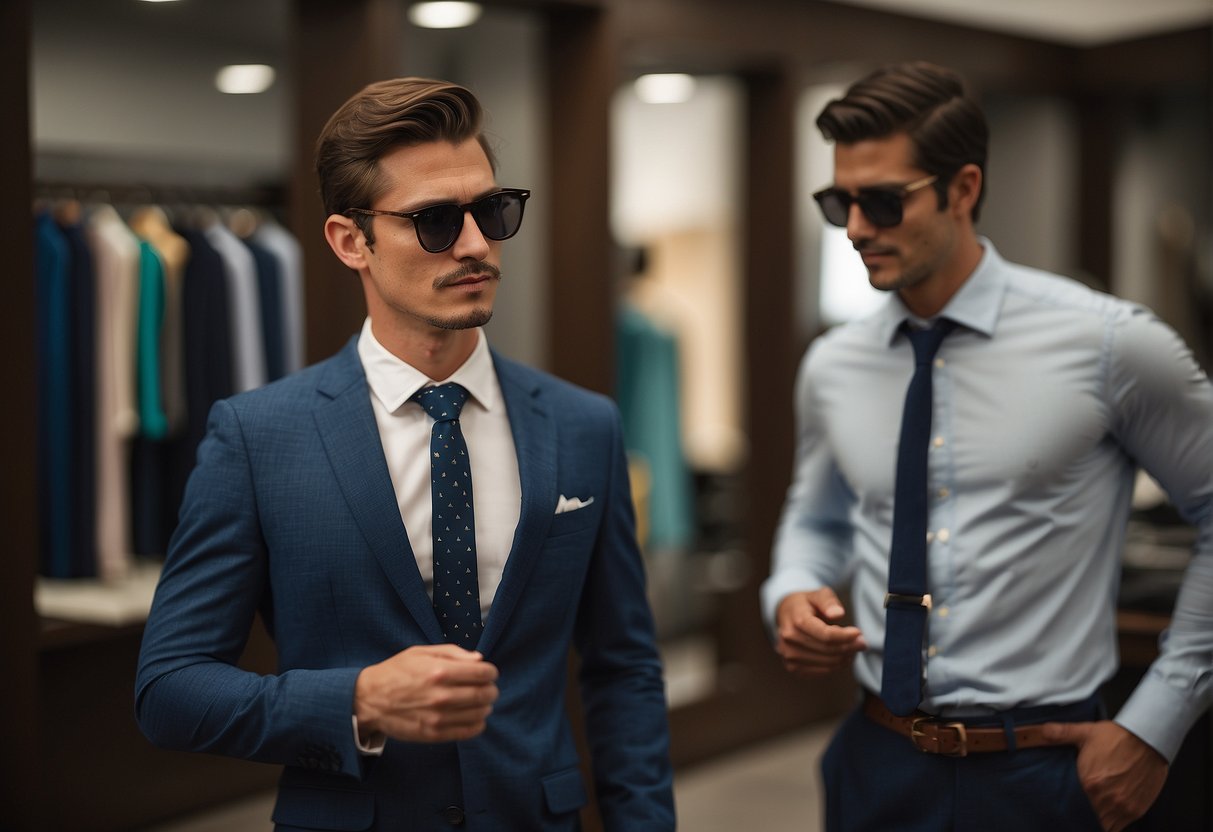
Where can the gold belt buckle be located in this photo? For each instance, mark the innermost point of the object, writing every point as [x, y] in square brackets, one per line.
[920, 737]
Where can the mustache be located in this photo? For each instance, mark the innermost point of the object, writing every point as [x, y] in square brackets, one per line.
[471, 269]
[863, 246]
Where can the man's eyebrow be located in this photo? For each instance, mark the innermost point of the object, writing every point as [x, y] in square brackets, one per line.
[448, 200]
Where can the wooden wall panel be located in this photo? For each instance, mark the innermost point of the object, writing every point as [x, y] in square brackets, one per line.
[338, 49]
[581, 77]
[18, 645]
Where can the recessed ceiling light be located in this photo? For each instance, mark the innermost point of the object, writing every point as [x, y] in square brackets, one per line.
[665, 88]
[159, 1]
[244, 79]
[444, 15]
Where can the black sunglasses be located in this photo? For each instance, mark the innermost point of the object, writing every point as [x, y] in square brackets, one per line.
[882, 206]
[498, 215]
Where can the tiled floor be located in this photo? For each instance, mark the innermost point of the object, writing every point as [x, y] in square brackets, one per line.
[773, 787]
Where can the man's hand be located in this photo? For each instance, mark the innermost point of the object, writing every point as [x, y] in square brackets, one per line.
[1120, 773]
[809, 644]
[429, 693]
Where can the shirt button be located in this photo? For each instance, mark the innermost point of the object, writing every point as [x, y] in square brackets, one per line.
[938, 442]
[943, 535]
[930, 536]
[939, 362]
[932, 651]
[943, 612]
[943, 493]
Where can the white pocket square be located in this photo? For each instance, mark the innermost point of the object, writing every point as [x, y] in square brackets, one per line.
[571, 504]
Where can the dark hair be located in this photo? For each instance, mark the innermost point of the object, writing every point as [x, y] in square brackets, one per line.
[929, 104]
[382, 116]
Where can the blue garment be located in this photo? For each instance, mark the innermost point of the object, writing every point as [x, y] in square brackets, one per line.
[54, 442]
[82, 341]
[291, 510]
[1047, 397]
[273, 323]
[648, 390]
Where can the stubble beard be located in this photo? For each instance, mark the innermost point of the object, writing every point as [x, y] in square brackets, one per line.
[907, 275]
[473, 319]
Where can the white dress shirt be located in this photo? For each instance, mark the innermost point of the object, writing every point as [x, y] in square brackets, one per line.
[404, 430]
[1047, 398]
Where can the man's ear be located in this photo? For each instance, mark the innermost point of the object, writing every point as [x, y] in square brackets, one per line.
[965, 189]
[346, 240]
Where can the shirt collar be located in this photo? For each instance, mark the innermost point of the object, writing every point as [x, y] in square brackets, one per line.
[976, 304]
[394, 381]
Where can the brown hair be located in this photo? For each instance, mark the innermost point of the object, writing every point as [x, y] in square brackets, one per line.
[382, 116]
[928, 103]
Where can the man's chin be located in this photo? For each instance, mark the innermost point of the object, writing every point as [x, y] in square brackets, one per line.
[473, 319]
[884, 280]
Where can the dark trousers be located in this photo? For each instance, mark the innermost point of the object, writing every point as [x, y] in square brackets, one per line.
[877, 781]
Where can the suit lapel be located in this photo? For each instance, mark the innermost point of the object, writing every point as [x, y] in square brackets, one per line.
[535, 441]
[351, 439]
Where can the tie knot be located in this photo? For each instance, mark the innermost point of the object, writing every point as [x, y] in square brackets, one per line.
[926, 341]
[442, 401]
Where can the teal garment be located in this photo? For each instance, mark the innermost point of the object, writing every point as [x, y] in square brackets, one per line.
[152, 418]
[647, 390]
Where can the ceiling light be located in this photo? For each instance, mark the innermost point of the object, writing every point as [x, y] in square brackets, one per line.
[244, 79]
[444, 15]
[665, 88]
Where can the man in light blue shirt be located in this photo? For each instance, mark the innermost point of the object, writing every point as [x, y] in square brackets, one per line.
[1047, 398]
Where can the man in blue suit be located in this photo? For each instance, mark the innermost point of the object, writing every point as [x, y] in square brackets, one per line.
[312, 503]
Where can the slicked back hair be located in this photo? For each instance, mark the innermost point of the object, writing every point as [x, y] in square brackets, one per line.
[379, 118]
[928, 103]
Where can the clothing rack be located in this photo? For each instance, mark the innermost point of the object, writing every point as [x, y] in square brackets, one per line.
[267, 196]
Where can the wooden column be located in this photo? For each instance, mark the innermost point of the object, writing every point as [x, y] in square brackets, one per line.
[1099, 120]
[18, 646]
[770, 326]
[581, 78]
[338, 49]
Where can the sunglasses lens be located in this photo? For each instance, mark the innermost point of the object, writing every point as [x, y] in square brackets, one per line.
[499, 216]
[835, 205]
[439, 227]
[882, 208]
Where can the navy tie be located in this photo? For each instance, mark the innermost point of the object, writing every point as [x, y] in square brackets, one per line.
[456, 588]
[906, 604]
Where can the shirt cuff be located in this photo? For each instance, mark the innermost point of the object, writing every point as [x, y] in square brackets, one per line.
[374, 746]
[1159, 715]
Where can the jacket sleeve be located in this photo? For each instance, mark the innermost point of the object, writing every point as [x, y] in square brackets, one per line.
[622, 690]
[189, 693]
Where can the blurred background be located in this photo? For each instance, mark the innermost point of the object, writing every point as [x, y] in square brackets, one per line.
[671, 257]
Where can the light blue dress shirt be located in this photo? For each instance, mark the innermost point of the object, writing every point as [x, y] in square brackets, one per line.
[1047, 399]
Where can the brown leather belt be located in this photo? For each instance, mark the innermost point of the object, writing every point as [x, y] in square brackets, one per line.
[939, 735]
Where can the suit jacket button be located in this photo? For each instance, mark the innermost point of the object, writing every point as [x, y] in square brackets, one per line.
[453, 815]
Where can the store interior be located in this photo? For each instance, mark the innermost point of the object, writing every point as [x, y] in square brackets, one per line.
[669, 245]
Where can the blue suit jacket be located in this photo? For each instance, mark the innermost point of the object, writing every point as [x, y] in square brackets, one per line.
[290, 511]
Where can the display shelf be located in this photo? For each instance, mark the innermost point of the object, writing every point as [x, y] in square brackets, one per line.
[80, 611]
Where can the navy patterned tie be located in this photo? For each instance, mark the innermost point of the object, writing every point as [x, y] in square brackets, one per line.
[906, 604]
[456, 588]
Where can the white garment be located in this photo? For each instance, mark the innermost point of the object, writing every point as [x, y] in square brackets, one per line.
[286, 250]
[116, 257]
[244, 308]
[404, 430]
